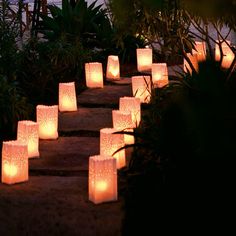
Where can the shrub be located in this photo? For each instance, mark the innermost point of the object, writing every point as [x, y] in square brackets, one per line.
[8, 47]
[45, 64]
[13, 107]
[89, 24]
[184, 153]
[76, 21]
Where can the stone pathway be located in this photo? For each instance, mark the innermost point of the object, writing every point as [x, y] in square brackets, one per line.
[83, 119]
[105, 97]
[55, 199]
[52, 205]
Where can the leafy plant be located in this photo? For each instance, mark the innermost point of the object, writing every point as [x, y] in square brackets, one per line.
[45, 64]
[162, 24]
[76, 22]
[13, 107]
[8, 47]
[184, 153]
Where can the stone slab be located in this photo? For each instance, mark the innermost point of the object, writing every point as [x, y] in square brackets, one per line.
[90, 119]
[122, 81]
[65, 154]
[56, 206]
[104, 97]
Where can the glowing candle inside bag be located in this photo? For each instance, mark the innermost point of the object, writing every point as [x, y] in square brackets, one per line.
[94, 75]
[15, 168]
[102, 179]
[28, 133]
[159, 75]
[47, 119]
[141, 87]
[144, 59]
[67, 97]
[113, 68]
[110, 143]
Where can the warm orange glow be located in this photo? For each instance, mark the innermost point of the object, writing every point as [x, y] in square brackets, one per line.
[113, 68]
[200, 50]
[110, 143]
[94, 75]
[14, 162]
[102, 179]
[47, 119]
[67, 97]
[101, 186]
[141, 87]
[224, 45]
[194, 61]
[132, 105]
[227, 58]
[32, 147]
[144, 59]
[123, 121]
[10, 170]
[27, 132]
[228, 54]
[159, 75]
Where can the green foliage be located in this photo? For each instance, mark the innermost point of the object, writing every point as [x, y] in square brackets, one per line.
[127, 47]
[13, 103]
[166, 23]
[162, 23]
[13, 107]
[45, 64]
[214, 10]
[77, 22]
[8, 48]
[184, 151]
[90, 25]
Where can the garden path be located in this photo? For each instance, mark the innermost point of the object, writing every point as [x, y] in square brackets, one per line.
[55, 199]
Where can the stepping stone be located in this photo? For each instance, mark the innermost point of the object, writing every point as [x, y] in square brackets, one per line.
[122, 81]
[56, 206]
[104, 97]
[85, 119]
[69, 154]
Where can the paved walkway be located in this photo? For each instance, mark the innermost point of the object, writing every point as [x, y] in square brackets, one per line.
[55, 199]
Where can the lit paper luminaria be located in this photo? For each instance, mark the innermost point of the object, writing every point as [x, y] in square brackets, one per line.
[28, 133]
[14, 162]
[217, 49]
[94, 75]
[113, 68]
[67, 97]
[228, 54]
[227, 58]
[141, 87]
[47, 119]
[159, 75]
[200, 50]
[123, 122]
[194, 61]
[102, 179]
[110, 143]
[144, 59]
[132, 105]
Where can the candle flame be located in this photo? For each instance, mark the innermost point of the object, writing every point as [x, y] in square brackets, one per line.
[10, 170]
[101, 186]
